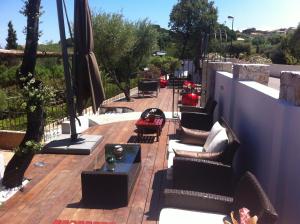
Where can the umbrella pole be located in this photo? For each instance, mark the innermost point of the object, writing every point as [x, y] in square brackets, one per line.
[68, 79]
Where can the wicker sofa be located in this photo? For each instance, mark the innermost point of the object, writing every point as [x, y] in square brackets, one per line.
[148, 87]
[186, 206]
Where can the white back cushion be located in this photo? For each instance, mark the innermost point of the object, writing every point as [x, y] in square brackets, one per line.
[219, 142]
[216, 128]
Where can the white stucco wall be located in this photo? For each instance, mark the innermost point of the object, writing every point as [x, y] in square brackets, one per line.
[268, 129]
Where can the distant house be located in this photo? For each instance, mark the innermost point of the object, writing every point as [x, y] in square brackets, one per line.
[159, 53]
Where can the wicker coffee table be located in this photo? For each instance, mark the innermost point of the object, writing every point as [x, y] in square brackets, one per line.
[105, 188]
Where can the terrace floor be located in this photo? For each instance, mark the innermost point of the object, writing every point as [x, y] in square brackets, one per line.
[54, 191]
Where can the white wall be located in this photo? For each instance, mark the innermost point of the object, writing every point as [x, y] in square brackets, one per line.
[268, 129]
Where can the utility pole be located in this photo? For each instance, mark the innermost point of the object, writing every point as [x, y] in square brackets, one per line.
[232, 20]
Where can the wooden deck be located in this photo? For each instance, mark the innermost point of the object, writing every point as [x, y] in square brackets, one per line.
[54, 191]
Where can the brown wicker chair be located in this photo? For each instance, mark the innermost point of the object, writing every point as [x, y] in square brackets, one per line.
[248, 193]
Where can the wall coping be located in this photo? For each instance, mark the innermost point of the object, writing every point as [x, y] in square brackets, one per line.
[256, 65]
[294, 72]
[274, 93]
[227, 74]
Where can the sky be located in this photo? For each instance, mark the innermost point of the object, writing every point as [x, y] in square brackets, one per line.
[261, 14]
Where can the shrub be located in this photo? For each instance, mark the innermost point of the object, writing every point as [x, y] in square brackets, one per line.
[3, 102]
[8, 75]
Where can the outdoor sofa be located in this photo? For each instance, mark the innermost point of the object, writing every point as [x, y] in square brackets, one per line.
[148, 86]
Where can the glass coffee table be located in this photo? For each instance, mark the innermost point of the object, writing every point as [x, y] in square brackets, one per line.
[105, 188]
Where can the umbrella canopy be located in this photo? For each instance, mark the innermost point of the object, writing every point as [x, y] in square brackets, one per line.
[88, 84]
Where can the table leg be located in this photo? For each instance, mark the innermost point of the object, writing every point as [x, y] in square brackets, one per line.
[140, 134]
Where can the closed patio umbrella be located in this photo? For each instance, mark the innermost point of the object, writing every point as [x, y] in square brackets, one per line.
[88, 84]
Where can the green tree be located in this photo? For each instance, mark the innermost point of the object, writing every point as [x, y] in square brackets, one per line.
[286, 51]
[274, 39]
[238, 48]
[294, 43]
[191, 21]
[11, 40]
[122, 47]
[166, 64]
[258, 41]
[164, 38]
[32, 90]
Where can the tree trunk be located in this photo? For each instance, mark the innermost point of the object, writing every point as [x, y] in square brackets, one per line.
[125, 90]
[15, 170]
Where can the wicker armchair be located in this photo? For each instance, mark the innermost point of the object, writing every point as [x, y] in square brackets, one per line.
[196, 120]
[198, 117]
[248, 193]
[227, 155]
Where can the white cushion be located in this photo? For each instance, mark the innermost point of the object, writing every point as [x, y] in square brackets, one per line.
[2, 166]
[180, 216]
[219, 142]
[177, 145]
[170, 159]
[216, 128]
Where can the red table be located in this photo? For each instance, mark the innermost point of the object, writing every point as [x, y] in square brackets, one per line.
[146, 124]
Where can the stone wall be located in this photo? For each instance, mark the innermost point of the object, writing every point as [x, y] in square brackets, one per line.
[251, 72]
[290, 87]
[208, 78]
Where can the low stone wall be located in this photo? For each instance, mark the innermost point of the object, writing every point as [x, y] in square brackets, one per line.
[208, 78]
[251, 72]
[10, 139]
[290, 87]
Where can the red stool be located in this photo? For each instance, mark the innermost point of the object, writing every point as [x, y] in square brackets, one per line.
[190, 99]
[163, 83]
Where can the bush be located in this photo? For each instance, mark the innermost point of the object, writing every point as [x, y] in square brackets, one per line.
[258, 59]
[280, 56]
[8, 75]
[238, 48]
[3, 102]
[167, 64]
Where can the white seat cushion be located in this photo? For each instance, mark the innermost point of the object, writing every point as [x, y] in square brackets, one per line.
[177, 145]
[219, 142]
[216, 128]
[180, 216]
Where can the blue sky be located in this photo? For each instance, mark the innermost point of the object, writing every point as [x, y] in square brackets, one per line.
[262, 14]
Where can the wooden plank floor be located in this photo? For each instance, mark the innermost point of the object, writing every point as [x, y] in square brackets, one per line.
[54, 191]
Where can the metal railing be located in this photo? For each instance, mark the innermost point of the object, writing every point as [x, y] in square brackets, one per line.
[15, 118]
